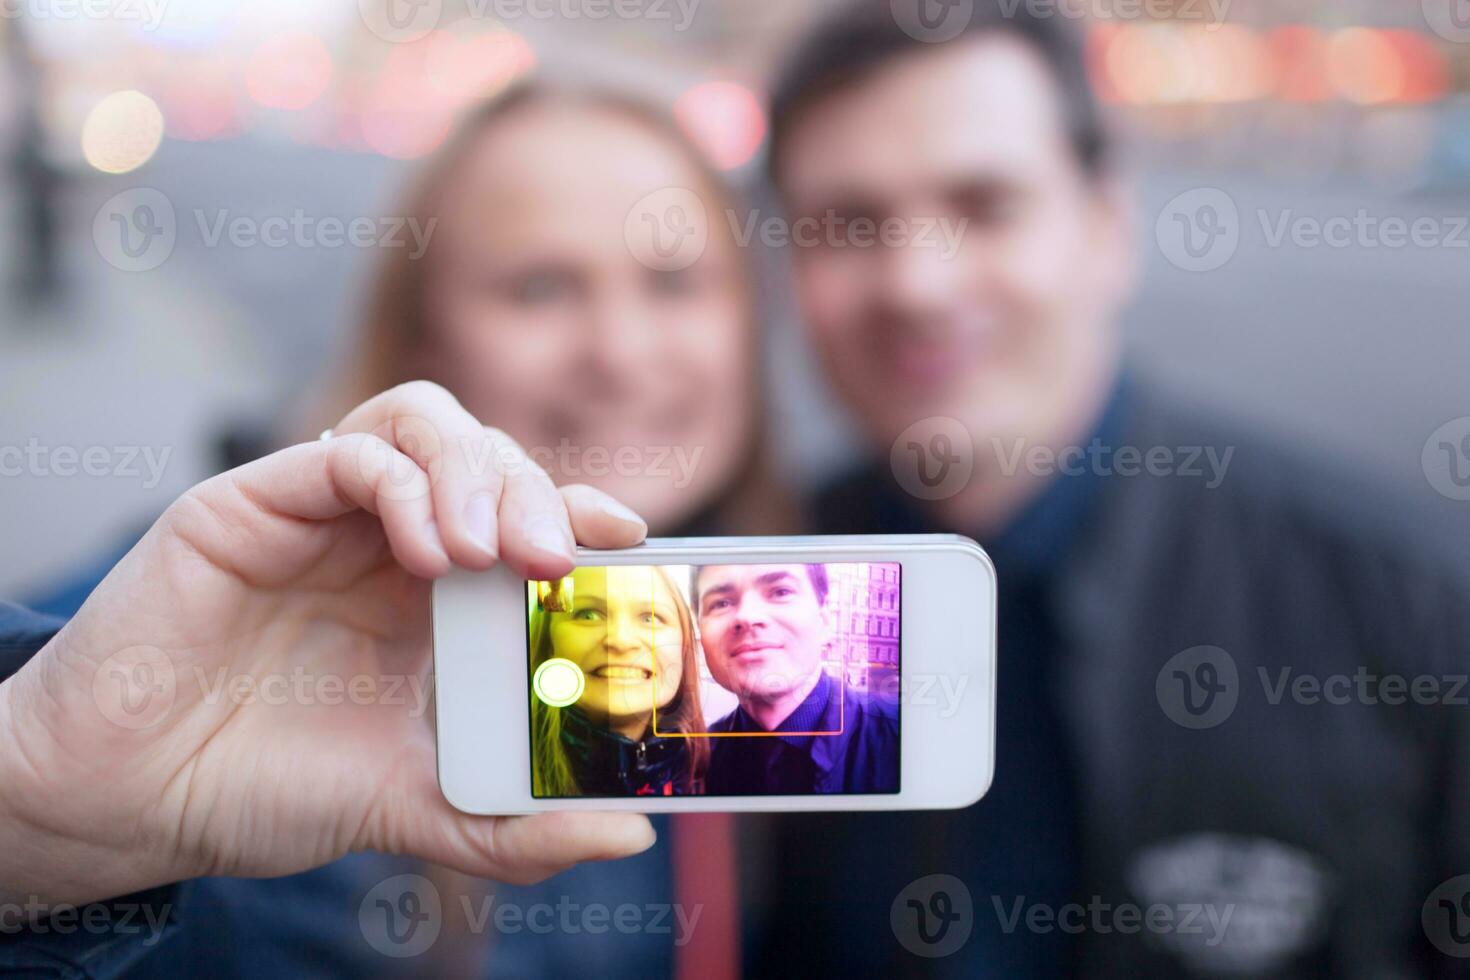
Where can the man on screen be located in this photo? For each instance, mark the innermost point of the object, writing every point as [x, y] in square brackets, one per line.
[763, 629]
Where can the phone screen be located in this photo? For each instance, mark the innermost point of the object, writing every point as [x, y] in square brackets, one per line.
[715, 680]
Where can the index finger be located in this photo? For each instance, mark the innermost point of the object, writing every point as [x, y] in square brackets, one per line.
[428, 425]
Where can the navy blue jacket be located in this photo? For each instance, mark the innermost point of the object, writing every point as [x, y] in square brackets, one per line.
[860, 757]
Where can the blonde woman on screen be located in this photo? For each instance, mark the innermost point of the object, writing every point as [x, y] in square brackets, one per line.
[630, 634]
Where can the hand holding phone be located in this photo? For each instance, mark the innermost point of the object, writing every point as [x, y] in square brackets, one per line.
[246, 693]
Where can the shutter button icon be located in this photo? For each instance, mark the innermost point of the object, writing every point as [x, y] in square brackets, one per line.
[559, 682]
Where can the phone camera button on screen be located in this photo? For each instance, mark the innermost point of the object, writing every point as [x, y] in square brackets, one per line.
[559, 682]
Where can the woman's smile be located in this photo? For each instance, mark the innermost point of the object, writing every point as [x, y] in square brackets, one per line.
[623, 673]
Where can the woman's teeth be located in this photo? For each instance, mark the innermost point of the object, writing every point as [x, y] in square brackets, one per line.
[620, 673]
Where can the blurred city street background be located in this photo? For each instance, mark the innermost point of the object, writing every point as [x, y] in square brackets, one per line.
[1239, 137]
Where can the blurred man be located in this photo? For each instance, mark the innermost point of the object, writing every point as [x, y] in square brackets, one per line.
[1170, 796]
[763, 629]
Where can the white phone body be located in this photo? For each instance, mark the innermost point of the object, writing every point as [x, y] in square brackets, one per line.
[946, 670]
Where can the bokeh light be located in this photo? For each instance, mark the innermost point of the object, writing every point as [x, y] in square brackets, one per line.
[1364, 67]
[475, 66]
[1300, 55]
[207, 107]
[411, 105]
[289, 71]
[122, 132]
[725, 119]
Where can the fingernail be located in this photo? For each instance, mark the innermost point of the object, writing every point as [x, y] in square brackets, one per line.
[479, 520]
[549, 535]
[620, 512]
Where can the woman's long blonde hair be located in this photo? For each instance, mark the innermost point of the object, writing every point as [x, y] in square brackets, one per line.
[552, 770]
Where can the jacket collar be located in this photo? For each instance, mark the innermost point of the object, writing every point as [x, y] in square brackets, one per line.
[601, 755]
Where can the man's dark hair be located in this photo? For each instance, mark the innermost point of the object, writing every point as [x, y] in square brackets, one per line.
[817, 573]
[861, 36]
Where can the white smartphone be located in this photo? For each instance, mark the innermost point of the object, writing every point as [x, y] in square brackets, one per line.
[689, 674]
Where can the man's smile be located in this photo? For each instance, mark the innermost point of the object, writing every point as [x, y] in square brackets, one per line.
[753, 647]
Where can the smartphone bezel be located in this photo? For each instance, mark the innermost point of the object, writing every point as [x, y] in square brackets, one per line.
[947, 703]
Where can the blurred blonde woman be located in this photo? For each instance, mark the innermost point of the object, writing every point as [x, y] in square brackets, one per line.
[530, 305]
